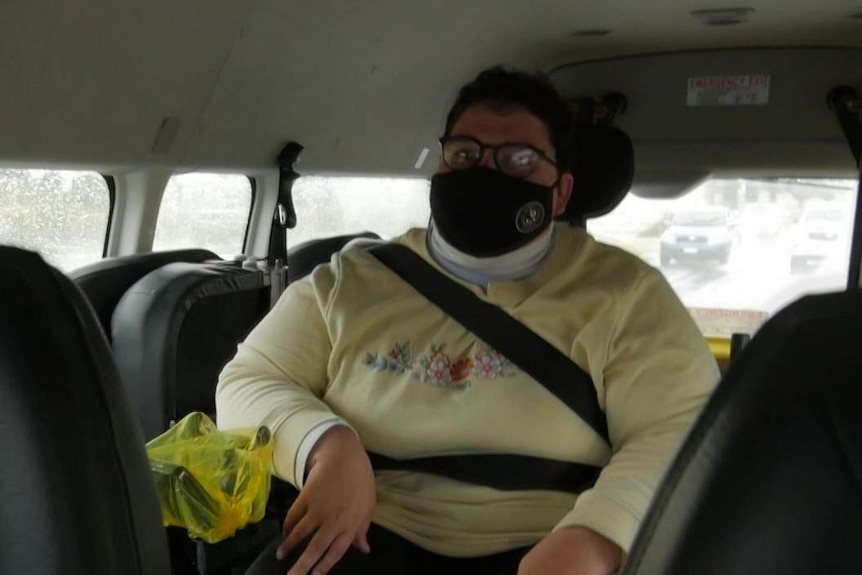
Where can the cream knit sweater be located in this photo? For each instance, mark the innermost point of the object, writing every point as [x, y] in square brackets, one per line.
[353, 341]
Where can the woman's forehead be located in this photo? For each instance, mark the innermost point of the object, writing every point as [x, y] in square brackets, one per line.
[496, 124]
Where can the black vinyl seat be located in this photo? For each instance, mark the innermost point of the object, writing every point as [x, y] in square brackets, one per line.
[104, 282]
[176, 328]
[304, 257]
[769, 480]
[604, 169]
[76, 495]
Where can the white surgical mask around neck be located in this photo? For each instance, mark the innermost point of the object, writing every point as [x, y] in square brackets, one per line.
[512, 266]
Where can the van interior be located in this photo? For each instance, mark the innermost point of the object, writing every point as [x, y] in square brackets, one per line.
[176, 165]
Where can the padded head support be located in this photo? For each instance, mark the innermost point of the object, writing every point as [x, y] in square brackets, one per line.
[76, 494]
[104, 282]
[303, 258]
[769, 480]
[603, 171]
[176, 328]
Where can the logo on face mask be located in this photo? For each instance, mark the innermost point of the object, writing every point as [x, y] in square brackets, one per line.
[530, 217]
[485, 213]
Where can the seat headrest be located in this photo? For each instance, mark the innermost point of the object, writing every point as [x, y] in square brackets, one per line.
[304, 257]
[176, 328]
[105, 281]
[603, 170]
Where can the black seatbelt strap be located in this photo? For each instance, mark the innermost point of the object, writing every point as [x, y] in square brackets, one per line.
[499, 471]
[846, 103]
[283, 218]
[542, 361]
[284, 215]
[854, 275]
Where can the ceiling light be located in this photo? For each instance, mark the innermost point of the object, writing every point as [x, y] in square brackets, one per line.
[420, 159]
[723, 16]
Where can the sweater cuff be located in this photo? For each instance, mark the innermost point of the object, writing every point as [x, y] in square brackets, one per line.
[606, 517]
[308, 443]
[288, 439]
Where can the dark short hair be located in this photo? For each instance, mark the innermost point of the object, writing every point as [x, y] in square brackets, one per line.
[500, 86]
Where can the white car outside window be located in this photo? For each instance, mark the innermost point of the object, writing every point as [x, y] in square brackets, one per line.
[697, 235]
[738, 250]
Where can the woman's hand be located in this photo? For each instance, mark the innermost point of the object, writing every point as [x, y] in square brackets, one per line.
[334, 508]
[572, 551]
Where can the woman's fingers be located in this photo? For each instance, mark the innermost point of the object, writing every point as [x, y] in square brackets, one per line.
[361, 539]
[296, 512]
[314, 551]
[335, 552]
[300, 532]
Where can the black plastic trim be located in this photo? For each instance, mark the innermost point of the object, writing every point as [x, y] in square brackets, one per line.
[853, 275]
[112, 202]
[253, 181]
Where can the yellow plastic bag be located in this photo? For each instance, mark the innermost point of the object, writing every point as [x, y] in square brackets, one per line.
[211, 482]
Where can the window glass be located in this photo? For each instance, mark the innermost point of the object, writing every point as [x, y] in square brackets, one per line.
[208, 211]
[738, 250]
[61, 214]
[331, 206]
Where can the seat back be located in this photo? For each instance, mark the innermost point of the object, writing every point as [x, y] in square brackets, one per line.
[76, 494]
[304, 257]
[769, 480]
[176, 328]
[104, 282]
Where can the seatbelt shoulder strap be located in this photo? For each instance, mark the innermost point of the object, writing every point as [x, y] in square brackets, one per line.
[554, 370]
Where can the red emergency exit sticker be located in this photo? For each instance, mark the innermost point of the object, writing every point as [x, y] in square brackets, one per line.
[741, 90]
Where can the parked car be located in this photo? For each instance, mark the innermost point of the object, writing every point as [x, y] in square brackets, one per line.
[701, 234]
[822, 232]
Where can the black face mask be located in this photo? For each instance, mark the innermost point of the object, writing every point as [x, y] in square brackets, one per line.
[484, 213]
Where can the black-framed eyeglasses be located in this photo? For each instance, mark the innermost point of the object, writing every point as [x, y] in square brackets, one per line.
[511, 158]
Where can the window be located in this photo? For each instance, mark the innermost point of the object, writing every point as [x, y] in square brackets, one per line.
[208, 211]
[331, 206]
[61, 214]
[737, 250]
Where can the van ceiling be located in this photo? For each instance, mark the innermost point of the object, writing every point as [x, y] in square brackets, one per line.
[363, 86]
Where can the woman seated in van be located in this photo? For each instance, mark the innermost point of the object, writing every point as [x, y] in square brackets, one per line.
[353, 366]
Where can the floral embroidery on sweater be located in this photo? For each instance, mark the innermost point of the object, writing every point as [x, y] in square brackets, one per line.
[437, 367]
